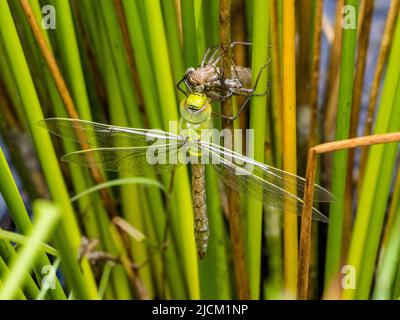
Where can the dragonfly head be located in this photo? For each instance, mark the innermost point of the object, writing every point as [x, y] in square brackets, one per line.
[195, 108]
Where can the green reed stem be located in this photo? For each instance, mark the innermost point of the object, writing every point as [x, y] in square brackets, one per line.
[4, 273]
[189, 33]
[71, 58]
[143, 60]
[156, 221]
[16, 207]
[214, 270]
[173, 38]
[378, 209]
[47, 216]
[19, 239]
[334, 244]
[211, 22]
[7, 253]
[387, 270]
[377, 179]
[258, 118]
[182, 218]
[200, 28]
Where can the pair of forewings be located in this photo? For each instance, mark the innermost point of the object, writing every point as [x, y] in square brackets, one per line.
[113, 148]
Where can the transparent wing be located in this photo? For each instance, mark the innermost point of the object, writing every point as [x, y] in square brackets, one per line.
[258, 181]
[280, 178]
[97, 135]
[130, 160]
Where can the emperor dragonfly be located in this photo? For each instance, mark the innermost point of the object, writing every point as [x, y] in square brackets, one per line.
[130, 150]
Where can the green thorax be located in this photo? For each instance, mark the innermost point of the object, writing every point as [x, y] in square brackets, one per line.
[195, 116]
[195, 122]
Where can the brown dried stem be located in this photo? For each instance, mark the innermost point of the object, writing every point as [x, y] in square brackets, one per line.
[314, 88]
[239, 52]
[305, 233]
[50, 61]
[315, 72]
[304, 61]
[234, 221]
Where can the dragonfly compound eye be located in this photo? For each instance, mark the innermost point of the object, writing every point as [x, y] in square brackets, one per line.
[195, 108]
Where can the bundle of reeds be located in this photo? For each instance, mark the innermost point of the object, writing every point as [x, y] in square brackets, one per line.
[118, 236]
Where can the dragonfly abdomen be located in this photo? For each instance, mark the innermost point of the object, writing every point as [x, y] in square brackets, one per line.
[200, 208]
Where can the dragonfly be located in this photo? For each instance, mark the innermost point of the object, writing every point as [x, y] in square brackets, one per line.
[149, 151]
[208, 79]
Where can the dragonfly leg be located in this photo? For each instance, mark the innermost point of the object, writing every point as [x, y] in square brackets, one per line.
[244, 43]
[206, 55]
[211, 53]
[263, 93]
[232, 45]
[210, 56]
[221, 97]
[243, 106]
[233, 117]
[240, 91]
[179, 87]
[259, 76]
